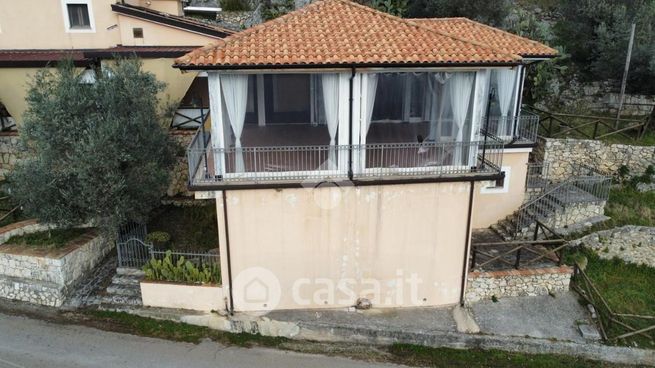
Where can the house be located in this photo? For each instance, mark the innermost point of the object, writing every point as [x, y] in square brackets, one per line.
[351, 153]
[36, 34]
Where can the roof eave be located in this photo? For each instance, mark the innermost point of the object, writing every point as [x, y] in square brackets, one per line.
[343, 65]
[197, 28]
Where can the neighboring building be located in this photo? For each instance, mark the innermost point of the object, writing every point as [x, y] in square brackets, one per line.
[36, 34]
[349, 144]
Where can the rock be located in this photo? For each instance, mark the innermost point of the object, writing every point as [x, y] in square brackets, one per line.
[363, 304]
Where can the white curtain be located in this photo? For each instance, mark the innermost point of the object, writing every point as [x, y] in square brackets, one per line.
[459, 89]
[438, 94]
[371, 81]
[235, 92]
[330, 85]
[505, 79]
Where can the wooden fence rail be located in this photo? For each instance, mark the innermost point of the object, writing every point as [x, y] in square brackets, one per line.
[558, 125]
[607, 317]
[545, 247]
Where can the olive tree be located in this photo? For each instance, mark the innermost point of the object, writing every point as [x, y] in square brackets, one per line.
[97, 151]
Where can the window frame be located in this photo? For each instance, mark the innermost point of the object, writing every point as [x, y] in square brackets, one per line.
[493, 189]
[66, 16]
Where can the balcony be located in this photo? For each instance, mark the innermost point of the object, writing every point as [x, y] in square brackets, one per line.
[514, 129]
[217, 167]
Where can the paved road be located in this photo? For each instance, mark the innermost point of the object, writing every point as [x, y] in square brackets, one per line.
[27, 343]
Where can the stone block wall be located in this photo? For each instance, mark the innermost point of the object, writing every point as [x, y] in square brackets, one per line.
[604, 97]
[528, 282]
[564, 154]
[47, 280]
[180, 172]
[10, 152]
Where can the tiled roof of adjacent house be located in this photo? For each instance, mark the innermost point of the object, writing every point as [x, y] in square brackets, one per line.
[493, 37]
[187, 23]
[40, 58]
[85, 57]
[340, 32]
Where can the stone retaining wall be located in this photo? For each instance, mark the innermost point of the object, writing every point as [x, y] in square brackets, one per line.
[529, 282]
[9, 152]
[42, 279]
[604, 97]
[633, 244]
[564, 154]
[180, 172]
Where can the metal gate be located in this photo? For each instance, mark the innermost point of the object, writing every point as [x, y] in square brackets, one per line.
[132, 249]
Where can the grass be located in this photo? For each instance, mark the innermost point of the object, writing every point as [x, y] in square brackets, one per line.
[627, 206]
[191, 228]
[627, 288]
[175, 331]
[56, 238]
[411, 355]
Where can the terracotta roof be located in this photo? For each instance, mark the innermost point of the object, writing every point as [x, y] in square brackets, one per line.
[493, 37]
[187, 23]
[84, 57]
[340, 32]
[40, 58]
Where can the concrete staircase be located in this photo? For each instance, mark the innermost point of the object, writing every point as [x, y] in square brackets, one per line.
[124, 290]
[559, 205]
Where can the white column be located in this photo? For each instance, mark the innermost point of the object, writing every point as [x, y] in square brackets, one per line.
[518, 90]
[216, 109]
[261, 102]
[344, 115]
[480, 98]
[358, 124]
[407, 97]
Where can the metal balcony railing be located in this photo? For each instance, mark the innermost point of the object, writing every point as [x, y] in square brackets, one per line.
[323, 162]
[514, 129]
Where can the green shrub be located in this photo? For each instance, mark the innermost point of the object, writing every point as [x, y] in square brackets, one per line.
[234, 5]
[158, 238]
[182, 271]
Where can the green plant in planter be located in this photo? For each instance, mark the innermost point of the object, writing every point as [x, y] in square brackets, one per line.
[160, 239]
[182, 271]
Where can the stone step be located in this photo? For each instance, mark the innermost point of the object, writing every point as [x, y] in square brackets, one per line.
[121, 300]
[124, 290]
[125, 280]
[126, 271]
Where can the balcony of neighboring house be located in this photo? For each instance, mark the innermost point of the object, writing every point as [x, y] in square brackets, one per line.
[369, 126]
[193, 110]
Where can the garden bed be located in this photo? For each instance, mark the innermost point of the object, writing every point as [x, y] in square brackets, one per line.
[182, 296]
[191, 228]
[46, 274]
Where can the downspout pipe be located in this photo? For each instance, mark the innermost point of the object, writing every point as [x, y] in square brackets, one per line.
[467, 244]
[227, 247]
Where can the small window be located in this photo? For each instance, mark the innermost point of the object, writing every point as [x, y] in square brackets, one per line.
[137, 32]
[78, 16]
[500, 183]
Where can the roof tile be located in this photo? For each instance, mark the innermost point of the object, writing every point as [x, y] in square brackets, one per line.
[339, 32]
[490, 36]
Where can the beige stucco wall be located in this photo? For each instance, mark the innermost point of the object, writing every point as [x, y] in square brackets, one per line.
[13, 89]
[319, 242]
[14, 83]
[22, 27]
[38, 24]
[177, 83]
[493, 206]
[178, 296]
[158, 35]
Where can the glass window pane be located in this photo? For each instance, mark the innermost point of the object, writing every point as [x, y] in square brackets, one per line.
[78, 15]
